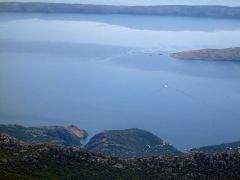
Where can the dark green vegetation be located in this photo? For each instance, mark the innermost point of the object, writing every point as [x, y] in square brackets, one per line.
[22, 161]
[130, 143]
[229, 54]
[19, 161]
[65, 135]
[177, 10]
[227, 147]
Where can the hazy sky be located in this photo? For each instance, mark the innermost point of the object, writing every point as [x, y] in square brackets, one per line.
[143, 2]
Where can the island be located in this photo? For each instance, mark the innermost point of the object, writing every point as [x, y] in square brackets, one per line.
[228, 54]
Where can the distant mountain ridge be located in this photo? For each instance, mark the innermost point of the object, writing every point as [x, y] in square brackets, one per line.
[65, 135]
[164, 10]
[130, 143]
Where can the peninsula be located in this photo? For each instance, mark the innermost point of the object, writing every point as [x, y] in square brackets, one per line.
[228, 54]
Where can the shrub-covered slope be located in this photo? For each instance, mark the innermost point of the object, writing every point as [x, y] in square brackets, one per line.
[65, 135]
[23, 161]
[130, 143]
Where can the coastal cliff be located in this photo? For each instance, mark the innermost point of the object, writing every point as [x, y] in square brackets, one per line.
[64, 135]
